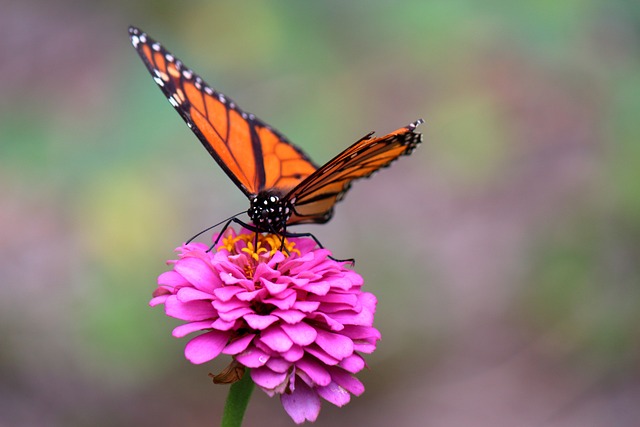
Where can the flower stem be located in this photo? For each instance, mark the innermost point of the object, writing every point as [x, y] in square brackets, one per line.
[237, 401]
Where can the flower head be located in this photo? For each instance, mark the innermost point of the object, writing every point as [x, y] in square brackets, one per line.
[285, 309]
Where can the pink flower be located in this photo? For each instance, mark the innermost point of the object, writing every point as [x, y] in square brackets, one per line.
[296, 317]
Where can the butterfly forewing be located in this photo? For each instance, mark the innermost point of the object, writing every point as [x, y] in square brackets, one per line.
[255, 156]
[313, 199]
[284, 165]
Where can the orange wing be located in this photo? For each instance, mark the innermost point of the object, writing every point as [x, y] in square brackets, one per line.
[313, 199]
[255, 156]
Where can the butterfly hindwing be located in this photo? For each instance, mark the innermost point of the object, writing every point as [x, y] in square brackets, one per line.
[313, 199]
[255, 156]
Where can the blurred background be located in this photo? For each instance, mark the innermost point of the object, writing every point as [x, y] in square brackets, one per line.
[504, 252]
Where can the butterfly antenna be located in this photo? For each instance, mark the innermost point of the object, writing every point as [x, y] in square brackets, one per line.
[231, 218]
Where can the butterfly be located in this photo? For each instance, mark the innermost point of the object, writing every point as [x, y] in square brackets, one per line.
[283, 185]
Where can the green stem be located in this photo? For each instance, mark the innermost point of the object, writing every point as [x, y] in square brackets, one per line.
[237, 401]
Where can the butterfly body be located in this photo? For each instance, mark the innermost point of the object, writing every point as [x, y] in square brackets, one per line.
[283, 185]
[270, 212]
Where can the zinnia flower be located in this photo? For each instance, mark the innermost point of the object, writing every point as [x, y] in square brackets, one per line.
[297, 318]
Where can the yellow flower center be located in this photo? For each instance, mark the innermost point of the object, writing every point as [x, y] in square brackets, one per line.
[258, 243]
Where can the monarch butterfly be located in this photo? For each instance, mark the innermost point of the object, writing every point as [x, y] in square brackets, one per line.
[283, 185]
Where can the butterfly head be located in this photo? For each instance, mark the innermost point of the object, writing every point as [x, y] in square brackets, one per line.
[270, 212]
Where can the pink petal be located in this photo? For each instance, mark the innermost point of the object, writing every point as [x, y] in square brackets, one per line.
[224, 325]
[284, 301]
[163, 290]
[277, 258]
[341, 283]
[302, 264]
[336, 345]
[331, 308]
[354, 363]
[364, 347]
[353, 277]
[304, 245]
[361, 332]
[363, 318]
[294, 354]
[238, 345]
[368, 303]
[346, 381]
[276, 339]
[303, 404]
[265, 377]
[205, 347]
[273, 288]
[289, 316]
[253, 357]
[296, 281]
[278, 364]
[198, 273]
[172, 279]
[335, 298]
[300, 333]
[228, 306]
[306, 306]
[256, 321]
[195, 249]
[225, 293]
[318, 288]
[234, 314]
[321, 355]
[158, 300]
[191, 311]
[186, 329]
[192, 294]
[316, 371]
[250, 295]
[266, 273]
[335, 394]
[231, 274]
[321, 317]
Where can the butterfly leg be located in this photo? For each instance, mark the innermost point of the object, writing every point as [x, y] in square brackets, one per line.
[315, 239]
[227, 224]
[224, 228]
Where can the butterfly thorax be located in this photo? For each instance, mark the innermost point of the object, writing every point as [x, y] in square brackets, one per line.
[269, 212]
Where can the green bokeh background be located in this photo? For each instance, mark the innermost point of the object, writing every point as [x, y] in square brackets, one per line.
[504, 252]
